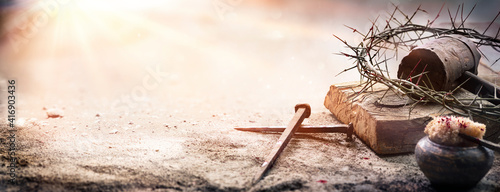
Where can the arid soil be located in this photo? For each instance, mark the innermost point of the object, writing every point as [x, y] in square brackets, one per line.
[149, 97]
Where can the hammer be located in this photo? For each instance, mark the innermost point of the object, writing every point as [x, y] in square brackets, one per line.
[449, 61]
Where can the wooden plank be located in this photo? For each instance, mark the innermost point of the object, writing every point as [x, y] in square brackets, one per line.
[385, 129]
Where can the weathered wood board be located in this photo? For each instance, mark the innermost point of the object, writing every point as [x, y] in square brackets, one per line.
[387, 129]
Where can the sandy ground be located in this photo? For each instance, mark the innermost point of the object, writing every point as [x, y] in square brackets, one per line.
[150, 95]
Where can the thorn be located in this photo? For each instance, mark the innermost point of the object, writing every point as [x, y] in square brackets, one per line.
[423, 71]
[343, 41]
[463, 22]
[456, 14]
[411, 72]
[491, 23]
[353, 30]
[437, 15]
[495, 62]
[345, 70]
[451, 19]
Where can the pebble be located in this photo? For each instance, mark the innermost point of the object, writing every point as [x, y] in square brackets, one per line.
[20, 122]
[54, 113]
[114, 131]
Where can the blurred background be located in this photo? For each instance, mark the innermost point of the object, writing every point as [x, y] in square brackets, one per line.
[268, 53]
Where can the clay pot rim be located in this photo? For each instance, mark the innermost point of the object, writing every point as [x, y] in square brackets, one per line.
[455, 147]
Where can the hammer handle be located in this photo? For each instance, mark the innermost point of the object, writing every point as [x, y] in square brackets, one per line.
[488, 144]
[482, 87]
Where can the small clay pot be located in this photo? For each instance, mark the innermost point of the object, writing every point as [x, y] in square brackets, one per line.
[453, 166]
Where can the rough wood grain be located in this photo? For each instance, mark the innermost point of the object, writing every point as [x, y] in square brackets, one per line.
[386, 130]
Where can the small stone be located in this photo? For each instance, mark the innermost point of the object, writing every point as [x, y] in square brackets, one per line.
[54, 113]
[166, 125]
[23, 162]
[20, 122]
[98, 115]
[114, 131]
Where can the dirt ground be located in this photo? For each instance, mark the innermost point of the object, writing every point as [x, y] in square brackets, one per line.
[149, 95]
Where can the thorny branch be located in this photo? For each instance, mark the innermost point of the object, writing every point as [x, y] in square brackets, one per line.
[404, 34]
